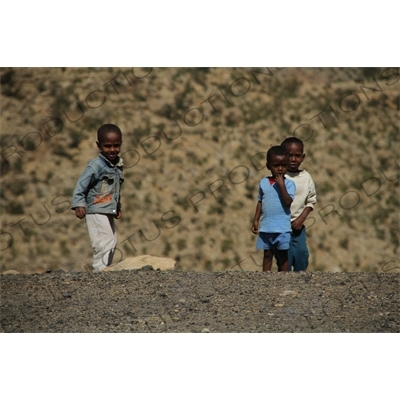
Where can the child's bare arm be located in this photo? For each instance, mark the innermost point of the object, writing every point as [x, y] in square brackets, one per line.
[256, 219]
[287, 200]
[298, 223]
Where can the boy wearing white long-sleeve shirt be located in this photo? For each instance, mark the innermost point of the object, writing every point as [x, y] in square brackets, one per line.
[303, 203]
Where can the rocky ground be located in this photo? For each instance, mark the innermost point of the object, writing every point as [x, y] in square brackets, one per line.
[149, 300]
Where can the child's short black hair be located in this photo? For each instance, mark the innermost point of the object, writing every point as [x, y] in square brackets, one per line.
[277, 151]
[107, 128]
[291, 140]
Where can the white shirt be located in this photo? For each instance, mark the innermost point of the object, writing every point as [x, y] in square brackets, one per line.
[305, 195]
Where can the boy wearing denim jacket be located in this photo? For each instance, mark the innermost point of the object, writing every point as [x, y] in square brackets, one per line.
[96, 195]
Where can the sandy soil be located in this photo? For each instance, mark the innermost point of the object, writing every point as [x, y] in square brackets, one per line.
[176, 301]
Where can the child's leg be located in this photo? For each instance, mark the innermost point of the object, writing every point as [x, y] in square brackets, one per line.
[267, 260]
[282, 257]
[282, 251]
[299, 250]
[290, 256]
[103, 239]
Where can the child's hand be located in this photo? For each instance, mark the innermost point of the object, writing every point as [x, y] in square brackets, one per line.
[119, 214]
[279, 178]
[297, 224]
[80, 212]
[254, 227]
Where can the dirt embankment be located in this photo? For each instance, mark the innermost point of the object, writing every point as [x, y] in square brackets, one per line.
[154, 301]
[194, 145]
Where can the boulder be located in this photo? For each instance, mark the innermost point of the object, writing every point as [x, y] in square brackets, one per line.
[162, 263]
[10, 272]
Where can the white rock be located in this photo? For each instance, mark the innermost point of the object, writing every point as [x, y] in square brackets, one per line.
[288, 293]
[162, 263]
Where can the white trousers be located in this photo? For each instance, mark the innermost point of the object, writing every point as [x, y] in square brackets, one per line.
[103, 238]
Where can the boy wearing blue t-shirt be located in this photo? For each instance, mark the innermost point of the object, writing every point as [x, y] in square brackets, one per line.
[272, 216]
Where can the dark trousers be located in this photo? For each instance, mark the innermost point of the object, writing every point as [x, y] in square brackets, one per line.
[298, 253]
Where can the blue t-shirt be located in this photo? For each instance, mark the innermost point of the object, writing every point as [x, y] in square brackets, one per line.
[275, 216]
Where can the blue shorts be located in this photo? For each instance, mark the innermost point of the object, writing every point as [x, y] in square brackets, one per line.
[273, 241]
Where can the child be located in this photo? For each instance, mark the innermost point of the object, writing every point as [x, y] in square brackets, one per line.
[274, 199]
[303, 203]
[97, 195]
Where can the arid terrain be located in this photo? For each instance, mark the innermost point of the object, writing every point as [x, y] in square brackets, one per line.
[194, 148]
[194, 145]
[210, 302]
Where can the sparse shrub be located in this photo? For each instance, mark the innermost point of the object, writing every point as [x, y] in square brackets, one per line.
[61, 150]
[41, 87]
[194, 159]
[324, 188]
[216, 209]
[17, 188]
[198, 74]
[173, 158]
[291, 87]
[92, 124]
[65, 251]
[380, 233]
[199, 241]
[216, 122]
[147, 199]
[344, 243]
[208, 265]
[231, 119]
[15, 208]
[139, 95]
[182, 201]
[254, 112]
[167, 248]
[369, 72]
[180, 98]
[60, 104]
[239, 152]
[137, 184]
[181, 244]
[210, 223]
[7, 242]
[9, 84]
[380, 215]
[227, 244]
[68, 191]
[76, 138]
[168, 111]
[394, 234]
[226, 262]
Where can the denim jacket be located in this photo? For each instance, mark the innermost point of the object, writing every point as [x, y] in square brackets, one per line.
[98, 188]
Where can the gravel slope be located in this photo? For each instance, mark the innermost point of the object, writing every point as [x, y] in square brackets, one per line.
[176, 301]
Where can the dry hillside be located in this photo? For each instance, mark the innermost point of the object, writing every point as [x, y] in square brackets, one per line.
[194, 148]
